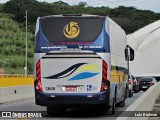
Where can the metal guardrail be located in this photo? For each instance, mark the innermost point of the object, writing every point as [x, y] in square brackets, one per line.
[15, 76]
[16, 80]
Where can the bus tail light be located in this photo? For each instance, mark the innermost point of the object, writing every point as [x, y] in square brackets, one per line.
[38, 77]
[104, 85]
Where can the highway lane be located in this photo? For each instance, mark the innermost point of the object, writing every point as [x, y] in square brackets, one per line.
[72, 113]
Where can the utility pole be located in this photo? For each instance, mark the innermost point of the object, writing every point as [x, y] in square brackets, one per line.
[25, 68]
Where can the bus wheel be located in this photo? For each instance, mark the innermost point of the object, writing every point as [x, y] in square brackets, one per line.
[113, 107]
[121, 104]
[55, 110]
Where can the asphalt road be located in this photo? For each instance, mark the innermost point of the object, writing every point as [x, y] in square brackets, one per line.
[71, 114]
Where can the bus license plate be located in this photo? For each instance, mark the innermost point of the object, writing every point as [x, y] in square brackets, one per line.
[71, 88]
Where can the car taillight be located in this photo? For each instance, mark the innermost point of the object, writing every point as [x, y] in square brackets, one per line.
[151, 83]
[104, 77]
[134, 82]
[38, 77]
[130, 81]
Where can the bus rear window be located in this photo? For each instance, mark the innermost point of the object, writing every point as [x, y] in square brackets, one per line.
[71, 29]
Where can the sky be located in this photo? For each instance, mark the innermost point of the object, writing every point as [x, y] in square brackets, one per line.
[153, 5]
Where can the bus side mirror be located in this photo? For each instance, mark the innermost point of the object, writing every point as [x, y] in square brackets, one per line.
[126, 54]
[129, 53]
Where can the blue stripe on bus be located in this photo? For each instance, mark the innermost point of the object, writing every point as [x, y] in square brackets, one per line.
[83, 76]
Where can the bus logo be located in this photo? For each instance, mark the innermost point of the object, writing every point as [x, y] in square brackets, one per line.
[71, 30]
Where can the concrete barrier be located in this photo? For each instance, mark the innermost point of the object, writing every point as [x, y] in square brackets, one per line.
[16, 80]
[16, 87]
[16, 93]
[144, 103]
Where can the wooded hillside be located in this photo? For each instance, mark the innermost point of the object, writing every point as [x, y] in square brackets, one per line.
[129, 18]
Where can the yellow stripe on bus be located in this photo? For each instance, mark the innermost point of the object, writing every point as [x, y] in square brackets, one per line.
[118, 76]
[8, 81]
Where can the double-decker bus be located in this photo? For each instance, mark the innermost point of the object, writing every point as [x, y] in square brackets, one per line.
[80, 60]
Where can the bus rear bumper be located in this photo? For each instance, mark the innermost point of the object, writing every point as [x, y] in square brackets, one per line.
[46, 99]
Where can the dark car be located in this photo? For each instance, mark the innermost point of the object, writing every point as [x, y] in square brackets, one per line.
[135, 84]
[146, 82]
[157, 78]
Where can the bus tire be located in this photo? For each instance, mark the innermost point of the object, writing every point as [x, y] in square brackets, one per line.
[113, 107]
[122, 103]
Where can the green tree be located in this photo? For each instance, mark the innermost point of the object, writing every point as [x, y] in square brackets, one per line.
[1, 7]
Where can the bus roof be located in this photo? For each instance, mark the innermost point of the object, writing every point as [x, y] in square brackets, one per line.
[73, 15]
